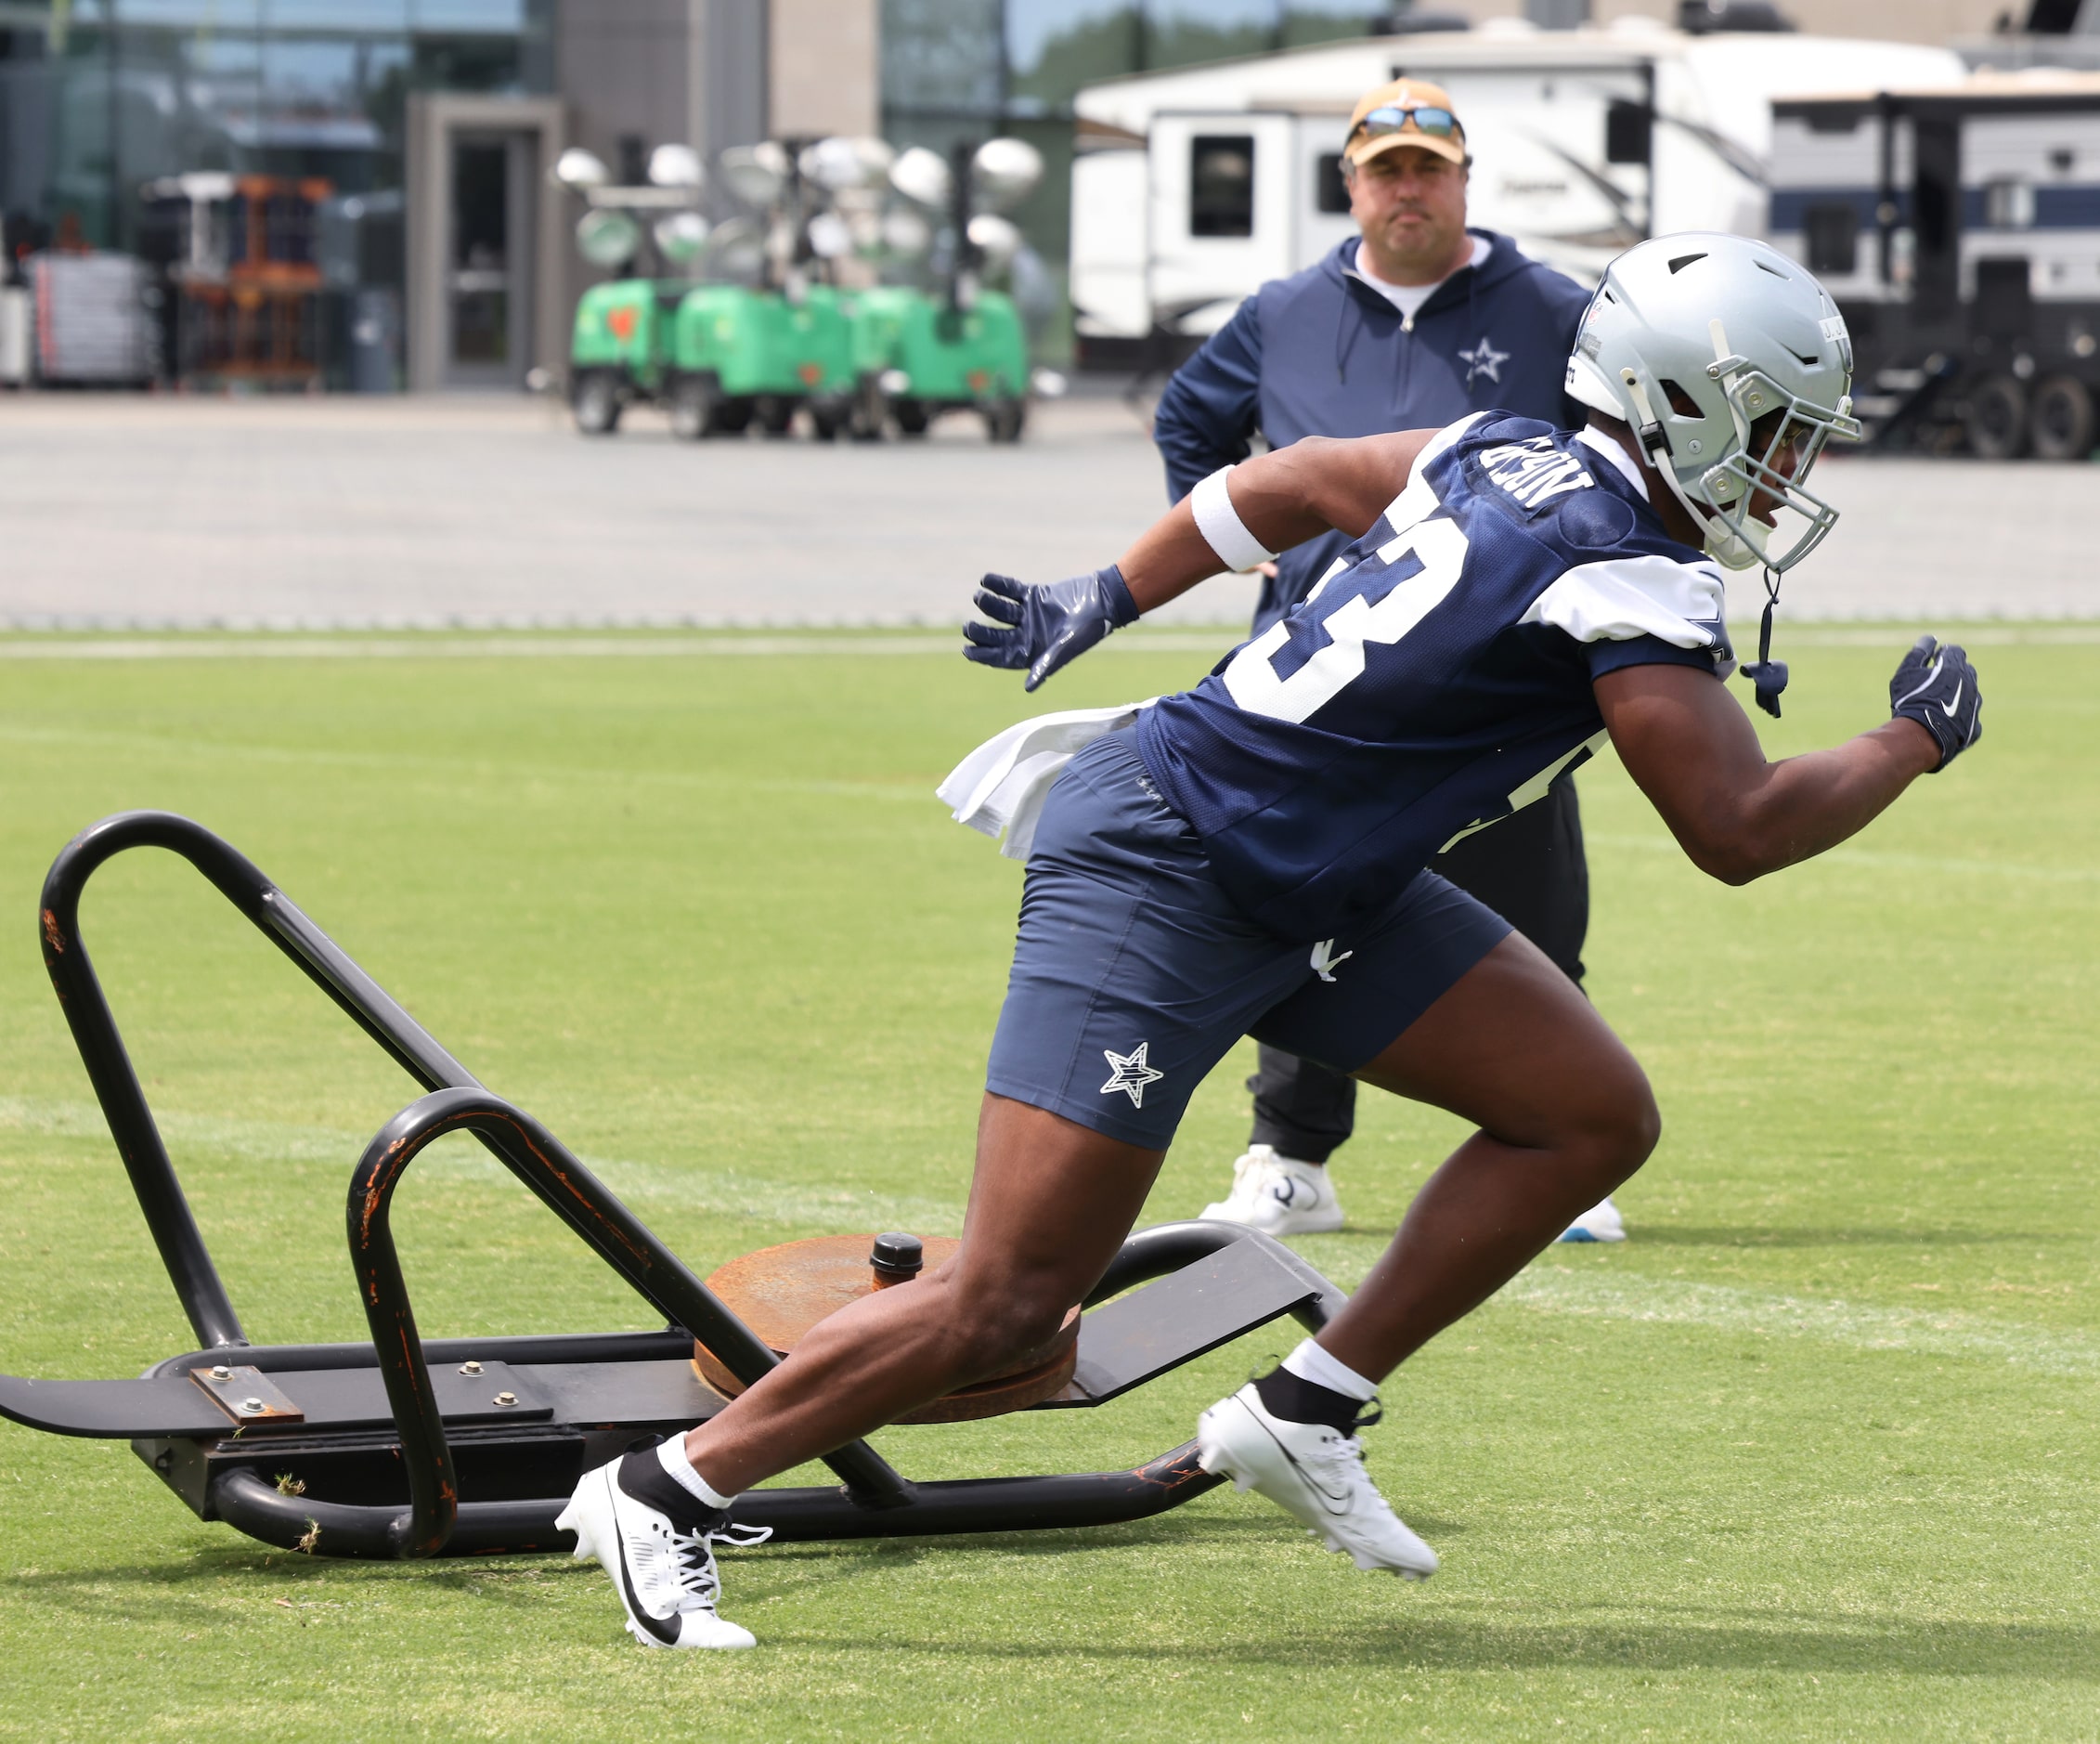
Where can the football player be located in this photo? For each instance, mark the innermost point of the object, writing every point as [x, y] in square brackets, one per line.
[1226, 863]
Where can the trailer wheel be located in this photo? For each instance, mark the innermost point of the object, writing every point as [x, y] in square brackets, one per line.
[912, 416]
[732, 417]
[776, 414]
[1006, 419]
[1996, 424]
[597, 402]
[826, 421]
[696, 404]
[2060, 422]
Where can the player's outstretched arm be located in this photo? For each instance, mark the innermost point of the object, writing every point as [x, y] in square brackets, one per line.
[1692, 751]
[1279, 500]
[1282, 498]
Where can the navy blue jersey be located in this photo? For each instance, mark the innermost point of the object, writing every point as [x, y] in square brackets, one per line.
[1438, 678]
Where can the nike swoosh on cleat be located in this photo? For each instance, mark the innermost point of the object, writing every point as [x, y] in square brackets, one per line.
[665, 1628]
[1340, 1502]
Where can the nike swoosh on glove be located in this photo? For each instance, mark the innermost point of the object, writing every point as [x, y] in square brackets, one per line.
[1936, 687]
[1042, 627]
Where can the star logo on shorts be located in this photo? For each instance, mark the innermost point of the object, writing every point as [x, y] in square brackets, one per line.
[1484, 360]
[1129, 1074]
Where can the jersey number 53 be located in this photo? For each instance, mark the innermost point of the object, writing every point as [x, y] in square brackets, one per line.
[1351, 622]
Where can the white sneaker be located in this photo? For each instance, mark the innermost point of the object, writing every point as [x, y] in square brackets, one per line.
[1316, 1473]
[1278, 1195]
[666, 1578]
[1601, 1222]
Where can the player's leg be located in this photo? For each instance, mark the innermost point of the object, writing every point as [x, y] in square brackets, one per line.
[1565, 1114]
[1050, 1205]
[1530, 868]
[1132, 975]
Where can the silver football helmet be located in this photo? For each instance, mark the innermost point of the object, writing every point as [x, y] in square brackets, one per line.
[1733, 368]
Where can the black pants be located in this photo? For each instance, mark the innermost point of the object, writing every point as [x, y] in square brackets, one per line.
[1530, 869]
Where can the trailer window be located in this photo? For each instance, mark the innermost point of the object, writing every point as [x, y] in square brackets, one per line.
[2008, 205]
[1221, 185]
[1331, 193]
[1833, 233]
[1629, 132]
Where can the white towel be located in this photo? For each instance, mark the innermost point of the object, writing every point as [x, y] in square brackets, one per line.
[1001, 785]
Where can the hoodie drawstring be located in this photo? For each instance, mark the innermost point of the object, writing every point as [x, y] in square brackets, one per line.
[1345, 335]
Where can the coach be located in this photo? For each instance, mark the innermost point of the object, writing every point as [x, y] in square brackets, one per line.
[1412, 325]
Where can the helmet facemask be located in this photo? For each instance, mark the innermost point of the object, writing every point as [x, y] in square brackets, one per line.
[1769, 422]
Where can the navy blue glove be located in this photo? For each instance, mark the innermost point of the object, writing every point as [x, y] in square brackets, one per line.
[1042, 627]
[1936, 687]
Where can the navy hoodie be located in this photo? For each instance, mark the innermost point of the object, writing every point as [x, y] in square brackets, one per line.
[1321, 353]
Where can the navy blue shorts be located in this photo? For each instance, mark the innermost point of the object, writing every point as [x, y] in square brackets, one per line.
[1133, 974]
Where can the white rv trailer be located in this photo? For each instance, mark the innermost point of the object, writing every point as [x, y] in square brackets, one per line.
[1190, 188]
[1959, 229]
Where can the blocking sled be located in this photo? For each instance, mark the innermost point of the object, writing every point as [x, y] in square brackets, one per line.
[400, 1448]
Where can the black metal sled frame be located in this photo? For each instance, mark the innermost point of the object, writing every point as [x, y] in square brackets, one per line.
[470, 1446]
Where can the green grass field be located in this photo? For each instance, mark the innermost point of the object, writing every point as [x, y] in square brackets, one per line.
[1812, 1456]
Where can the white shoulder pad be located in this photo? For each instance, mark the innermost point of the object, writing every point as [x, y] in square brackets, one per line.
[1681, 604]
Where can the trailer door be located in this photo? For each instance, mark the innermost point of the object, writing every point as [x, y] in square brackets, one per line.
[1221, 213]
[1936, 205]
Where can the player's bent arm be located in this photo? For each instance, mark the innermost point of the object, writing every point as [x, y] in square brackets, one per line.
[1691, 749]
[1283, 499]
[1280, 499]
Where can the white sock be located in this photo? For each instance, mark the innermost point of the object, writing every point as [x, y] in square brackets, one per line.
[1311, 1362]
[670, 1455]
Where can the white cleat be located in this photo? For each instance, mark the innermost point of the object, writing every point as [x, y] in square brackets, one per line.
[1278, 1195]
[1601, 1222]
[666, 1578]
[1316, 1473]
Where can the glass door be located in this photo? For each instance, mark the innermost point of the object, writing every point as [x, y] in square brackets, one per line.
[489, 262]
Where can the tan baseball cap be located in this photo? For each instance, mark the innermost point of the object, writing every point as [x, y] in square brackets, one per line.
[1405, 130]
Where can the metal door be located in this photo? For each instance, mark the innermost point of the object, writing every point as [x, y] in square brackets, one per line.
[1935, 208]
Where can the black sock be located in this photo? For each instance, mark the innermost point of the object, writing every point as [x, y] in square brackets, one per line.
[1296, 1400]
[643, 1478]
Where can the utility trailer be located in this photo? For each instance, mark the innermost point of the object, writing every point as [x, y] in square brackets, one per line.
[1959, 229]
[1192, 188]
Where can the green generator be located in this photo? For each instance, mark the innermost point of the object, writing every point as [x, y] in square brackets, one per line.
[738, 354]
[928, 358]
[716, 355]
[618, 346]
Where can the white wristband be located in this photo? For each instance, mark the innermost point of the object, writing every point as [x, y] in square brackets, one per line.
[1222, 529]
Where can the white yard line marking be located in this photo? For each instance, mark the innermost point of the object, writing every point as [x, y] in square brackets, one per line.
[438, 647]
[127, 641]
[1722, 1308]
[725, 1192]
[1996, 633]
[1876, 859]
[1545, 1288]
[493, 783]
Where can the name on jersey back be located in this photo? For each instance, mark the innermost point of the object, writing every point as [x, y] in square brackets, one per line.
[1534, 472]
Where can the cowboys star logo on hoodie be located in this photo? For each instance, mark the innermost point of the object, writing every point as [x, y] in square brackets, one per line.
[1484, 360]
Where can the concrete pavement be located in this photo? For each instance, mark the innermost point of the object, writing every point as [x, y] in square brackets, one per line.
[395, 513]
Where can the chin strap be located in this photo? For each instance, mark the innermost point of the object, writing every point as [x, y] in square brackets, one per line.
[1767, 674]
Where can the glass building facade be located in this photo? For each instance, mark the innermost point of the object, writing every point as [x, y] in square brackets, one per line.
[114, 114]
[954, 68]
[99, 96]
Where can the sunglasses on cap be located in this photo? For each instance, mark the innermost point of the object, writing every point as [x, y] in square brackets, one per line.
[1438, 123]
